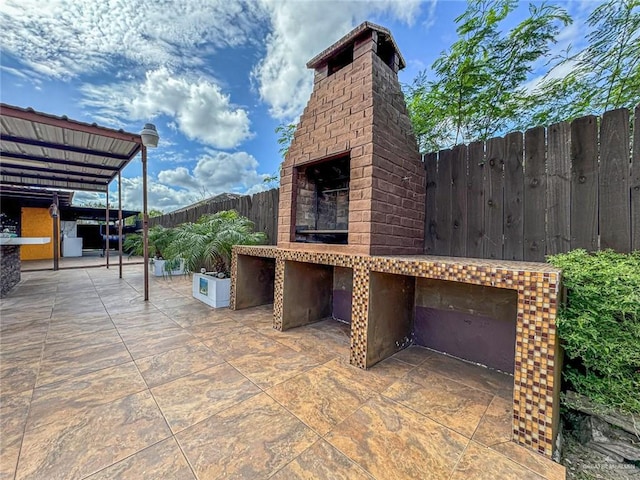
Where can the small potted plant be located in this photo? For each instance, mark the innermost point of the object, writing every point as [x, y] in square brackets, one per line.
[206, 247]
[159, 240]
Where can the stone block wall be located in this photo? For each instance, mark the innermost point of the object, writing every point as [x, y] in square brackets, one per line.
[359, 110]
[399, 180]
[336, 120]
[9, 268]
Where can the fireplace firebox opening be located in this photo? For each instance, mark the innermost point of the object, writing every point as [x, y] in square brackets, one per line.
[322, 202]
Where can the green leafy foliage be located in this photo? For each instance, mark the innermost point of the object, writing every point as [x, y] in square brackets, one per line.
[285, 133]
[603, 76]
[483, 85]
[133, 244]
[138, 218]
[477, 86]
[600, 326]
[207, 243]
[159, 240]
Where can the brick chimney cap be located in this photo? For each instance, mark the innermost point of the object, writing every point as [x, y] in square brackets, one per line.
[351, 36]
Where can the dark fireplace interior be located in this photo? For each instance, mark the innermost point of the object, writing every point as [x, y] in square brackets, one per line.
[322, 202]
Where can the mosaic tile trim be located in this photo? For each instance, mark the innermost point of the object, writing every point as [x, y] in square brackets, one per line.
[278, 295]
[266, 251]
[538, 287]
[359, 316]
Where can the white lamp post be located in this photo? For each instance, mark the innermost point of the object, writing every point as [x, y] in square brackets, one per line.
[149, 135]
[150, 138]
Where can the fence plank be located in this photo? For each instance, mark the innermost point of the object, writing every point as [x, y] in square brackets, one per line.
[614, 216]
[459, 202]
[635, 183]
[513, 248]
[584, 183]
[535, 191]
[261, 209]
[558, 188]
[475, 200]
[493, 203]
[443, 203]
[431, 165]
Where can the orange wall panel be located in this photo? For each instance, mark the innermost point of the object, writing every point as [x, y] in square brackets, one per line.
[36, 222]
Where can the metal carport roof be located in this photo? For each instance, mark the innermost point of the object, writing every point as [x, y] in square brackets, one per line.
[34, 196]
[42, 150]
[47, 151]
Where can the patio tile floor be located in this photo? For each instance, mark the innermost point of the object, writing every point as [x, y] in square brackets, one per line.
[97, 384]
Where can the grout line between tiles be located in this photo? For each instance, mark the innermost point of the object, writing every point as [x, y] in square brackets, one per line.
[26, 418]
[464, 450]
[517, 462]
[148, 389]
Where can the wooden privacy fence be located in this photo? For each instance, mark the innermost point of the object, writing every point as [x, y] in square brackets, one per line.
[261, 208]
[521, 197]
[551, 190]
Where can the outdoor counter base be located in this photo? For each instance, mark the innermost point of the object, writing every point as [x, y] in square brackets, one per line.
[10, 263]
[390, 304]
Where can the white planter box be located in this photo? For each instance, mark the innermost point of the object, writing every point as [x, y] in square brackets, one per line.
[215, 292]
[157, 267]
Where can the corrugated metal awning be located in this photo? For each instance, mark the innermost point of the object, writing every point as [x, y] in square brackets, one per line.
[41, 150]
[34, 196]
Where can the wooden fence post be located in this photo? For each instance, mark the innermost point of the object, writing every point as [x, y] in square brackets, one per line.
[443, 203]
[431, 165]
[493, 199]
[459, 201]
[584, 183]
[614, 213]
[558, 188]
[475, 200]
[535, 192]
[513, 248]
[635, 182]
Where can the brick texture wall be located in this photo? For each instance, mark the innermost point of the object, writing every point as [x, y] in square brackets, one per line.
[360, 109]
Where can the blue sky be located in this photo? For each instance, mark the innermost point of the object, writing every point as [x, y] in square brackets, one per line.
[215, 76]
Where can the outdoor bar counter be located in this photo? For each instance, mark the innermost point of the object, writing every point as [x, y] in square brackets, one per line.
[10, 259]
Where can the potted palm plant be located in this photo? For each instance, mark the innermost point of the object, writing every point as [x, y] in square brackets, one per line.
[206, 246]
[159, 240]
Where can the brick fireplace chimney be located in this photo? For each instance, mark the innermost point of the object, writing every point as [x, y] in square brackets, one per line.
[353, 179]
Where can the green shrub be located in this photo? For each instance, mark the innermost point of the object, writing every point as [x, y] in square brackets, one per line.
[600, 326]
[159, 240]
[207, 243]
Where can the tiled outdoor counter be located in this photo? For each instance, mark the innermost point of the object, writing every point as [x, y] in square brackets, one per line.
[382, 326]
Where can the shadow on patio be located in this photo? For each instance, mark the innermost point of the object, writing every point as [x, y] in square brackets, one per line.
[97, 384]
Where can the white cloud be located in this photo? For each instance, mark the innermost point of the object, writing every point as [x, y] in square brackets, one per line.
[570, 41]
[430, 18]
[215, 172]
[69, 38]
[14, 71]
[201, 111]
[64, 38]
[160, 196]
[90, 198]
[180, 177]
[301, 30]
